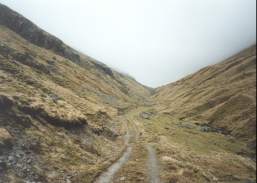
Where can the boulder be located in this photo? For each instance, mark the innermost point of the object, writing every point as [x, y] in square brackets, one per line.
[144, 115]
[53, 97]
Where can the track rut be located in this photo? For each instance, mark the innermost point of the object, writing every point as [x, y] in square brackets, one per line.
[107, 176]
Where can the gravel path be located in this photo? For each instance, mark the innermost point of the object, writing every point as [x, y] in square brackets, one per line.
[107, 176]
[153, 169]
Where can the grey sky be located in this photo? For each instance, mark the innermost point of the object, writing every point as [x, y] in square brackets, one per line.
[155, 41]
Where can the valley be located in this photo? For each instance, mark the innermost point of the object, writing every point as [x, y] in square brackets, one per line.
[66, 117]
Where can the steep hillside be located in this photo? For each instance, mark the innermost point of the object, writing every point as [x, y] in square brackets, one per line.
[221, 96]
[66, 117]
[24, 56]
[58, 108]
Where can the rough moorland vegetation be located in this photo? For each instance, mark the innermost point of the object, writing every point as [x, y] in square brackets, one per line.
[62, 112]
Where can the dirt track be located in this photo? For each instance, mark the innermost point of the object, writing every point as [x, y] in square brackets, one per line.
[153, 169]
[107, 176]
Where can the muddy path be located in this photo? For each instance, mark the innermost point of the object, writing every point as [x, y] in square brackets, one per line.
[153, 168]
[107, 176]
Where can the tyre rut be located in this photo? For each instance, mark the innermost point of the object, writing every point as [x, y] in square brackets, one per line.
[107, 176]
[153, 168]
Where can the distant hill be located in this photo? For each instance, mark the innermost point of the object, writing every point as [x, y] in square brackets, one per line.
[222, 96]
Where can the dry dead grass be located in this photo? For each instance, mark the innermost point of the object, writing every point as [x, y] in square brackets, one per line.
[80, 92]
[135, 169]
[225, 92]
[188, 155]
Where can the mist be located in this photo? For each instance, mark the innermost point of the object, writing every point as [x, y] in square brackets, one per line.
[155, 41]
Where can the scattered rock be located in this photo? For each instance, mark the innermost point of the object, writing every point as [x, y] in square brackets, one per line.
[21, 175]
[252, 144]
[54, 58]
[188, 126]
[144, 115]
[53, 97]
[11, 160]
[205, 129]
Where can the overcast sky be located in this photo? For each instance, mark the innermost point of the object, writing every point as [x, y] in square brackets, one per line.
[155, 41]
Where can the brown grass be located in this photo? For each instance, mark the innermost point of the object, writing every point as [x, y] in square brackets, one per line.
[224, 94]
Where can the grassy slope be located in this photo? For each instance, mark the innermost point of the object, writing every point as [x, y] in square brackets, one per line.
[222, 96]
[77, 131]
[189, 155]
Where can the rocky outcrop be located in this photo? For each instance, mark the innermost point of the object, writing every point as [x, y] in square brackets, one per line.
[26, 59]
[103, 68]
[32, 33]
